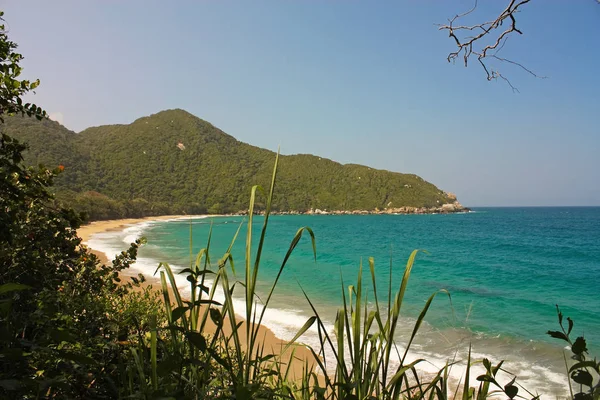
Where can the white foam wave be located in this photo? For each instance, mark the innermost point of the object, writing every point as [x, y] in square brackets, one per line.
[530, 376]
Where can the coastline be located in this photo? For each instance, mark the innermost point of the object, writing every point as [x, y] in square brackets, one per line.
[449, 208]
[86, 231]
[275, 344]
[268, 338]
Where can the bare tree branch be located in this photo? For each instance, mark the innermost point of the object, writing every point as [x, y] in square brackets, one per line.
[488, 41]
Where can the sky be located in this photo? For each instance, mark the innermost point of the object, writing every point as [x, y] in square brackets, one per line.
[363, 82]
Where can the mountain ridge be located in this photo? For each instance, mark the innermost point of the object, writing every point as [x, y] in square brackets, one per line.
[175, 162]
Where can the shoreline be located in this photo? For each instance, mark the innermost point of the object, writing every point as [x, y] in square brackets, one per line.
[454, 208]
[86, 231]
[268, 337]
[276, 344]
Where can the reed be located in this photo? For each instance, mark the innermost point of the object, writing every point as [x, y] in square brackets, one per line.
[359, 359]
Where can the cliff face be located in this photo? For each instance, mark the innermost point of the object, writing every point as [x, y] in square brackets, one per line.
[184, 164]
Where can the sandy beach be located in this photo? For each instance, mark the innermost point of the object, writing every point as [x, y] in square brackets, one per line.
[92, 228]
[271, 342]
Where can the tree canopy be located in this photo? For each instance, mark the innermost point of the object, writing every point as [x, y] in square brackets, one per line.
[174, 162]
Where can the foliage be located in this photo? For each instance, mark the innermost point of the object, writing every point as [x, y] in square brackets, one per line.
[183, 360]
[583, 372]
[211, 172]
[64, 317]
[63, 313]
[98, 206]
[11, 88]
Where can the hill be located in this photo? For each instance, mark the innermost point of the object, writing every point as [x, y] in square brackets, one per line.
[174, 162]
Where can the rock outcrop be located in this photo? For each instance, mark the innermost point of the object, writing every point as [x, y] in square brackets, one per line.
[447, 208]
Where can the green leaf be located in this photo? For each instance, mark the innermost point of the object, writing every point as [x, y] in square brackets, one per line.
[62, 335]
[12, 287]
[10, 384]
[302, 330]
[583, 396]
[204, 301]
[78, 358]
[216, 316]
[487, 364]
[204, 288]
[579, 347]
[485, 378]
[186, 271]
[466, 390]
[558, 335]
[511, 390]
[178, 313]
[570, 325]
[584, 364]
[583, 377]
[197, 340]
[219, 359]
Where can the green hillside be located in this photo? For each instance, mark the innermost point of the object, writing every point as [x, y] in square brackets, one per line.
[174, 162]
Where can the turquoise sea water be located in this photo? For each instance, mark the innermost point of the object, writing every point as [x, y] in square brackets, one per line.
[505, 269]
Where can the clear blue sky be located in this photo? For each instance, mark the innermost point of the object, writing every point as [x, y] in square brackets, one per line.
[356, 81]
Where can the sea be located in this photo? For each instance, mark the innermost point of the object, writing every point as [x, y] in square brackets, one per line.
[499, 273]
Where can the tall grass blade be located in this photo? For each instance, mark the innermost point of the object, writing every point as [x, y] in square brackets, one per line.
[310, 322]
[466, 390]
[401, 372]
[289, 252]
[175, 290]
[153, 351]
[394, 312]
[420, 321]
[166, 297]
[252, 329]
[139, 367]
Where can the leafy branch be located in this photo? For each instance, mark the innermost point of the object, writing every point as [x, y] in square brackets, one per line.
[11, 88]
[584, 371]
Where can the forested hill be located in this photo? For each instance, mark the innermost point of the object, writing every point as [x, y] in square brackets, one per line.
[174, 162]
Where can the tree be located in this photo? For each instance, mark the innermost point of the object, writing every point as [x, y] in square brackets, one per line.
[63, 314]
[11, 88]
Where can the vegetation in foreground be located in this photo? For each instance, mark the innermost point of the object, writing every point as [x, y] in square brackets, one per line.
[70, 328]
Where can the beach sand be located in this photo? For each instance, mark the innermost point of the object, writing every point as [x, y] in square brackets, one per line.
[271, 342]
